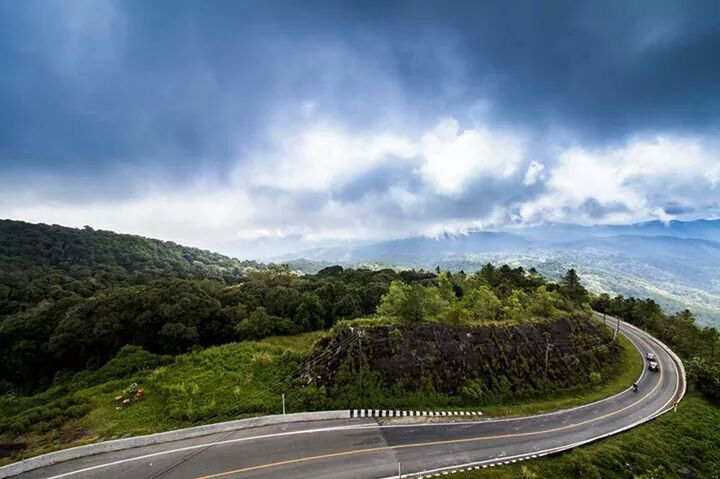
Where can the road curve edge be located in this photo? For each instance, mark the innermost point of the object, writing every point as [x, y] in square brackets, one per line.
[63, 455]
[680, 390]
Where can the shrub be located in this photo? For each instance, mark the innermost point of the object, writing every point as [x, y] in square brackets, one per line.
[705, 375]
[128, 361]
[396, 338]
[526, 473]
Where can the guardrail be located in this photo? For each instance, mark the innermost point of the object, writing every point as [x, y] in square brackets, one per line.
[162, 437]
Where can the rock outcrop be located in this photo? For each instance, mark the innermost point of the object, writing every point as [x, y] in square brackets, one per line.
[500, 359]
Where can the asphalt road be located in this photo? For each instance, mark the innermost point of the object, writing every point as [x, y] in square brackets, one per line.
[367, 448]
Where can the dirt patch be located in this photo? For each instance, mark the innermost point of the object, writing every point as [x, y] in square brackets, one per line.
[8, 449]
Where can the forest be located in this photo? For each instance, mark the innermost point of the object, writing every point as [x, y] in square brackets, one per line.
[70, 332]
[71, 299]
[84, 313]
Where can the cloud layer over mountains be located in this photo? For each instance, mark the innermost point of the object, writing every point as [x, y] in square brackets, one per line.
[252, 130]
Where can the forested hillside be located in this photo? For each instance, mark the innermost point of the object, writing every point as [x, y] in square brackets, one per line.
[41, 262]
[71, 299]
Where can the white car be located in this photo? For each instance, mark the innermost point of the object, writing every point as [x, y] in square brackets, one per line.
[651, 357]
[654, 366]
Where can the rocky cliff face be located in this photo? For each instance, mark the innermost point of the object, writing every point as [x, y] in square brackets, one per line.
[505, 360]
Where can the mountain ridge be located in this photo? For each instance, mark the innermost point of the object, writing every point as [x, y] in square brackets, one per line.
[675, 263]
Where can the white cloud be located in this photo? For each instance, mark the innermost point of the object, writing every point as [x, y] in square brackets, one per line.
[453, 158]
[191, 215]
[633, 182]
[324, 156]
[451, 180]
[320, 158]
[533, 173]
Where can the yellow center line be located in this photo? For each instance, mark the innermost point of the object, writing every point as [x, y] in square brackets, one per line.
[433, 443]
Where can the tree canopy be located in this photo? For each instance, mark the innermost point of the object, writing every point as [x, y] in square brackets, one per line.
[492, 294]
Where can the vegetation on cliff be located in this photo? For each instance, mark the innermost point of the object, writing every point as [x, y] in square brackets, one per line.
[479, 339]
[391, 365]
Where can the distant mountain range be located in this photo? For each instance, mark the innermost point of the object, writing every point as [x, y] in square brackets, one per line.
[677, 263]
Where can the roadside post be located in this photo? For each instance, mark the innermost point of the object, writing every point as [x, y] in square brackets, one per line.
[617, 329]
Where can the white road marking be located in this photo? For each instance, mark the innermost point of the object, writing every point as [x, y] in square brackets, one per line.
[370, 426]
[490, 463]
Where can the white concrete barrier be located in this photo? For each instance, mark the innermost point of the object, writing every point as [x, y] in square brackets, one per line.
[161, 437]
[395, 413]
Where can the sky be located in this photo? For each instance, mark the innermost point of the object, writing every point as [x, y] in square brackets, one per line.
[257, 128]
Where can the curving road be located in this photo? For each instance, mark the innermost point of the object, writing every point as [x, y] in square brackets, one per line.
[373, 448]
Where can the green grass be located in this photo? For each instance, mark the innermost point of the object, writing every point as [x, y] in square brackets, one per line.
[300, 343]
[222, 383]
[686, 440]
[216, 384]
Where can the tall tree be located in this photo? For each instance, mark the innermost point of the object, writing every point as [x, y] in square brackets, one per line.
[411, 302]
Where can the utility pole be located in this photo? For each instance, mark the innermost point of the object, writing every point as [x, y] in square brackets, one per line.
[547, 356]
[360, 353]
[547, 352]
[399, 470]
[617, 329]
[283, 399]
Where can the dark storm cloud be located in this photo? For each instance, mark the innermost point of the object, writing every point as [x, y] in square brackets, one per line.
[596, 210]
[181, 84]
[337, 120]
[479, 199]
[379, 180]
[676, 209]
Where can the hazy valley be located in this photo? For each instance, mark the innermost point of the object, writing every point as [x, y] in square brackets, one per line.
[677, 264]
